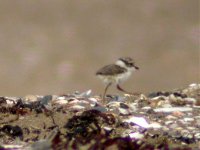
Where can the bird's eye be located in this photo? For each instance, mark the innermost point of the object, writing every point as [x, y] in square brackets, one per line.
[131, 64]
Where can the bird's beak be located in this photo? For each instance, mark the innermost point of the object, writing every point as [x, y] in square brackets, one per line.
[137, 68]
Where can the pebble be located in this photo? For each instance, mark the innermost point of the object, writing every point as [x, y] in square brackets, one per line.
[123, 111]
[86, 93]
[172, 109]
[155, 125]
[169, 113]
[170, 117]
[194, 86]
[46, 99]
[30, 98]
[78, 102]
[136, 135]
[190, 100]
[169, 122]
[146, 108]
[140, 121]
[100, 108]
[125, 106]
[113, 104]
[178, 114]
[93, 100]
[77, 107]
[178, 128]
[107, 128]
[10, 103]
[133, 107]
[142, 97]
[60, 101]
[159, 98]
[173, 126]
[191, 128]
[188, 119]
[197, 136]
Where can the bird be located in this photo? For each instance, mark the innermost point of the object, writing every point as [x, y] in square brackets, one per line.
[117, 73]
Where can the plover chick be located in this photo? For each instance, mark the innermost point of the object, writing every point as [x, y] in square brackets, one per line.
[117, 73]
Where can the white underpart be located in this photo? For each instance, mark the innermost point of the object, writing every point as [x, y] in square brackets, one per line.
[116, 79]
[122, 64]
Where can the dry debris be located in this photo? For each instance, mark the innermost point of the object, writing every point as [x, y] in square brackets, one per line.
[159, 120]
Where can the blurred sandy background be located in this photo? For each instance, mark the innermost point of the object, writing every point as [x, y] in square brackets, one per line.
[55, 47]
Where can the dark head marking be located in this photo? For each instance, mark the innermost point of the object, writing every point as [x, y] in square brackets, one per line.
[129, 62]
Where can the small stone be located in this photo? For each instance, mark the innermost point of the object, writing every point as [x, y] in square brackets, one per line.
[77, 107]
[159, 98]
[188, 119]
[30, 98]
[195, 86]
[107, 128]
[142, 97]
[197, 117]
[140, 121]
[165, 105]
[79, 102]
[173, 109]
[178, 128]
[178, 114]
[160, 93]
[12, 98]
[86, 93]
[59, 101]
[146, 108]
[124, 111]
[155, 125]
[170, 117]
[197, 136]
[177, 100]
[176, 135]
[10, 102]
[191, 128]
[113, 104]
[122, 105]
[196, 106]
[179, 94]
[100, 108]
[127, 132]
[93, 100]
[166, 129]
[136, 135]
[168, 122]
[173, 126]
[46, 99]
[133, 105]
[190, 100]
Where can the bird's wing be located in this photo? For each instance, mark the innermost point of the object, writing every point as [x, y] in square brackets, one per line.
[111, 70]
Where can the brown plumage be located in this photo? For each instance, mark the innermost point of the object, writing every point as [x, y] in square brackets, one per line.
[111, 70]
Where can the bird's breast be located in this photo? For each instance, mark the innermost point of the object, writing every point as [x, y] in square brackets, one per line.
[115, 79]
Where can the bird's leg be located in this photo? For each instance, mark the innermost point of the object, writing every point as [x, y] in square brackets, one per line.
[119, 88]
[104, 94]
